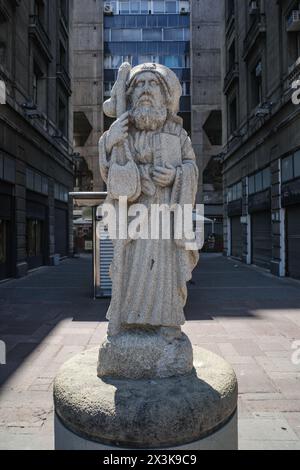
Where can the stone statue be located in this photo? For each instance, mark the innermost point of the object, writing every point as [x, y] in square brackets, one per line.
[152, 390]
[148, 157]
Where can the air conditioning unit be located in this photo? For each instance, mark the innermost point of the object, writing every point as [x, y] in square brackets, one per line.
[253, 8]
[108, 10]
[293, 22]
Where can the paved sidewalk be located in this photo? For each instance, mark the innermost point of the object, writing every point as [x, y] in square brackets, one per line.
[249, 317]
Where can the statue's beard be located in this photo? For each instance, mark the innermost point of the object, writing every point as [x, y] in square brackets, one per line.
[149, 118]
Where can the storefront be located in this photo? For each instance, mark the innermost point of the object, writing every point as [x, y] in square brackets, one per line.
[6, 230]
[291, 203]
[236, 228]
[61, 229]
[36, 230]
[259, 206]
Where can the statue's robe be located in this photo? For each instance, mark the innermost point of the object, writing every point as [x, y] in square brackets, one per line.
[149, 276]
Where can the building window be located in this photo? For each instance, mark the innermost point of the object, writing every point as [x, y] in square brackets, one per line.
[62, 55]
[231, 56]
[64, 10]
[260, 181]
[233, 121]
[61, 193]
[36, 182]
[297, 164]
[34, 238]
[235, 192]
[3, 240]
[39, 10]
[5, 35]
[152, 35]
[62, 117]
[171, 7]
[256, 85]
[39, 88]
[290, 167]
[230, 7]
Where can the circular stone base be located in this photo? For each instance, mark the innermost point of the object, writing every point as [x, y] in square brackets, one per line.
[224, 439]
[143, 354]
[145, 414]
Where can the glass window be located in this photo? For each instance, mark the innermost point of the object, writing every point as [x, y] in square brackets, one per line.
[171, 61]
[186, 34]
[125, 34]
[287, 169]
[297, 164]
[187, 61]
[124, 8]
[3, 241]
[135, 7]
[159, 6]
[144, 59]
[9, 169]
[171, 7]
[107, 61]
[152, 35]
[234, 192]
[130, 21]
[44, 185]
[239, 191]
[251, 184]
[106, 34]
[258, 182]
[162, 20]
[56, 191]
[30, 238]
[152, 21]
[30, 180]
[144, 7]
[37, 183]
[34, 237]
[1, 166]
[173, 34]
[266, 178]
[229, 195]
[173, 21]
[116, 61]
[141, 21]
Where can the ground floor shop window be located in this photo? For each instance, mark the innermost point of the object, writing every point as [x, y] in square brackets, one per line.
[34, 234]
[3, 241]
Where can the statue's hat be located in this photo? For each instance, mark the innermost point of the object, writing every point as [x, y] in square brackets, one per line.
[115, 105]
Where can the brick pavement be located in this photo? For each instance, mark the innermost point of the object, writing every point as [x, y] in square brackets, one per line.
[244, 314]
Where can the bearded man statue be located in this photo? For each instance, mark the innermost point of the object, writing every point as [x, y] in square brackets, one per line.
[148, 141]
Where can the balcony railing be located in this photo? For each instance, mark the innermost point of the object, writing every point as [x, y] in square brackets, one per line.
[256, 30]
[64, 77]
[40, 36]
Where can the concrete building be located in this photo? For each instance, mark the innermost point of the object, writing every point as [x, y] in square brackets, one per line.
[88, 90]
[260, 63]
[36, 163]
[183, 35]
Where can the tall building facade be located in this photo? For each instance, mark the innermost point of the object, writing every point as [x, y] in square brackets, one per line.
[36, 163]
[88, 91]
[260, 63]
[182, 35]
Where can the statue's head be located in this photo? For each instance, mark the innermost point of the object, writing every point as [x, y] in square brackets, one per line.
[152, 94]
[147, 101]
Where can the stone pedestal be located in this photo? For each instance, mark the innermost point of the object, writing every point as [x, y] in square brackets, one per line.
[197, 410]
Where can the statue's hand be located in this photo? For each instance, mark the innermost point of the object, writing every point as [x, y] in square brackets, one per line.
[164, 176]
[117, 133]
